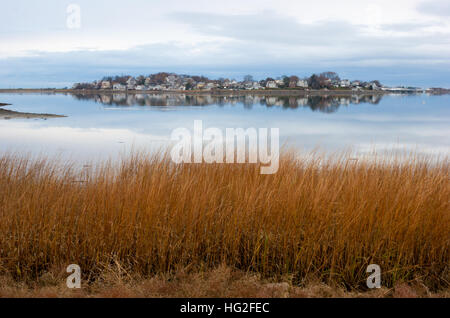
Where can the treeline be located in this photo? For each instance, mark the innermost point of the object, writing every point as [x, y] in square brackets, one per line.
[165, 80]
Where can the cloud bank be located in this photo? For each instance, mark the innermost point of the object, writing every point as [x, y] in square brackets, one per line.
[403, 43]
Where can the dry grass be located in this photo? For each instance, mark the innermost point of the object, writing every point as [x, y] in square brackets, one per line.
[321, 220]
[221, 282]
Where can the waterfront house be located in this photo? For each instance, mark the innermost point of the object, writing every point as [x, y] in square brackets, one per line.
[373, 86]
[302, 83]
[345, 83]
[131, 83]
[256, 85]
[106, 85]
[210, 86]
[119, 87]
[271, 84]
[200, 85]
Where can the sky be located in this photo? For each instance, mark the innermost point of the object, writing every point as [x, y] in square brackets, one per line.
[54, 43]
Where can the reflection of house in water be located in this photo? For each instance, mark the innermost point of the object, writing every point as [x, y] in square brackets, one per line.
[344, 101]
[327, 104]
[271, 101]
[302, 101]
[293, 103]
[106, 99]
[119, 98]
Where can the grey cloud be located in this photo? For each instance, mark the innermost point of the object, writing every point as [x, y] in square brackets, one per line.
[276, 31]
[435, 7]
[408, 27]
[267, 27]
[231, 59]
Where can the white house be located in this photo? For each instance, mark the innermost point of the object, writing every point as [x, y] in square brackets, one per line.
[131, 83]
[345, 83]
[271, 84]
[302, 83]
[156, 88]
[210, 86]
[119, 87]
[106, 85]
[256, 85]
[374, 87]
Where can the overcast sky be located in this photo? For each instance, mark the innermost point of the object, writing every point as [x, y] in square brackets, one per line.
[398, 42]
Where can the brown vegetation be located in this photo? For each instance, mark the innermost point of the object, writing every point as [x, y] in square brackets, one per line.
[316, 220]
[221, 282]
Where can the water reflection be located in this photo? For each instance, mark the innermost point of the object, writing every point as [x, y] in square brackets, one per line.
[105, 125]
[325, 104]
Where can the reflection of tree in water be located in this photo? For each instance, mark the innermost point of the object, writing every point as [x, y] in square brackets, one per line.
[325, 104]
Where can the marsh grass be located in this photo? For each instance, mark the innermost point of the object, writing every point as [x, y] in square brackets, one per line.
[322, 217]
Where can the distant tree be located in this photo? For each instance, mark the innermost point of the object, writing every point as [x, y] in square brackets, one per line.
[285, 80]
[314, 82]
[331, 76]
[325, 82]
[159, 78]
[200, 79]
[84, 86]
[293, 80]
[140, 80]
[248, 78]
[122, 79]
[189, 85]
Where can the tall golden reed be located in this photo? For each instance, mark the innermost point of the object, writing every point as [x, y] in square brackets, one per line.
[317, 217]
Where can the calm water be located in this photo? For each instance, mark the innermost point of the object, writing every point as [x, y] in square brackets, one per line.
[99, 126]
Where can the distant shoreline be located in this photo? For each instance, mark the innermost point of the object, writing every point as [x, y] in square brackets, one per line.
[218, 92]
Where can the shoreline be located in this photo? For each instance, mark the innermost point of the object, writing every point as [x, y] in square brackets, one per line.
[6, 114]
[281, 92]
[10, 114]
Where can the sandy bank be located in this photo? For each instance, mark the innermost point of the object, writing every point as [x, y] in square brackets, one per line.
[10, 114]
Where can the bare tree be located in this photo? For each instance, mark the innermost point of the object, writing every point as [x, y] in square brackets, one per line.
[331, 76]
[248, 78]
